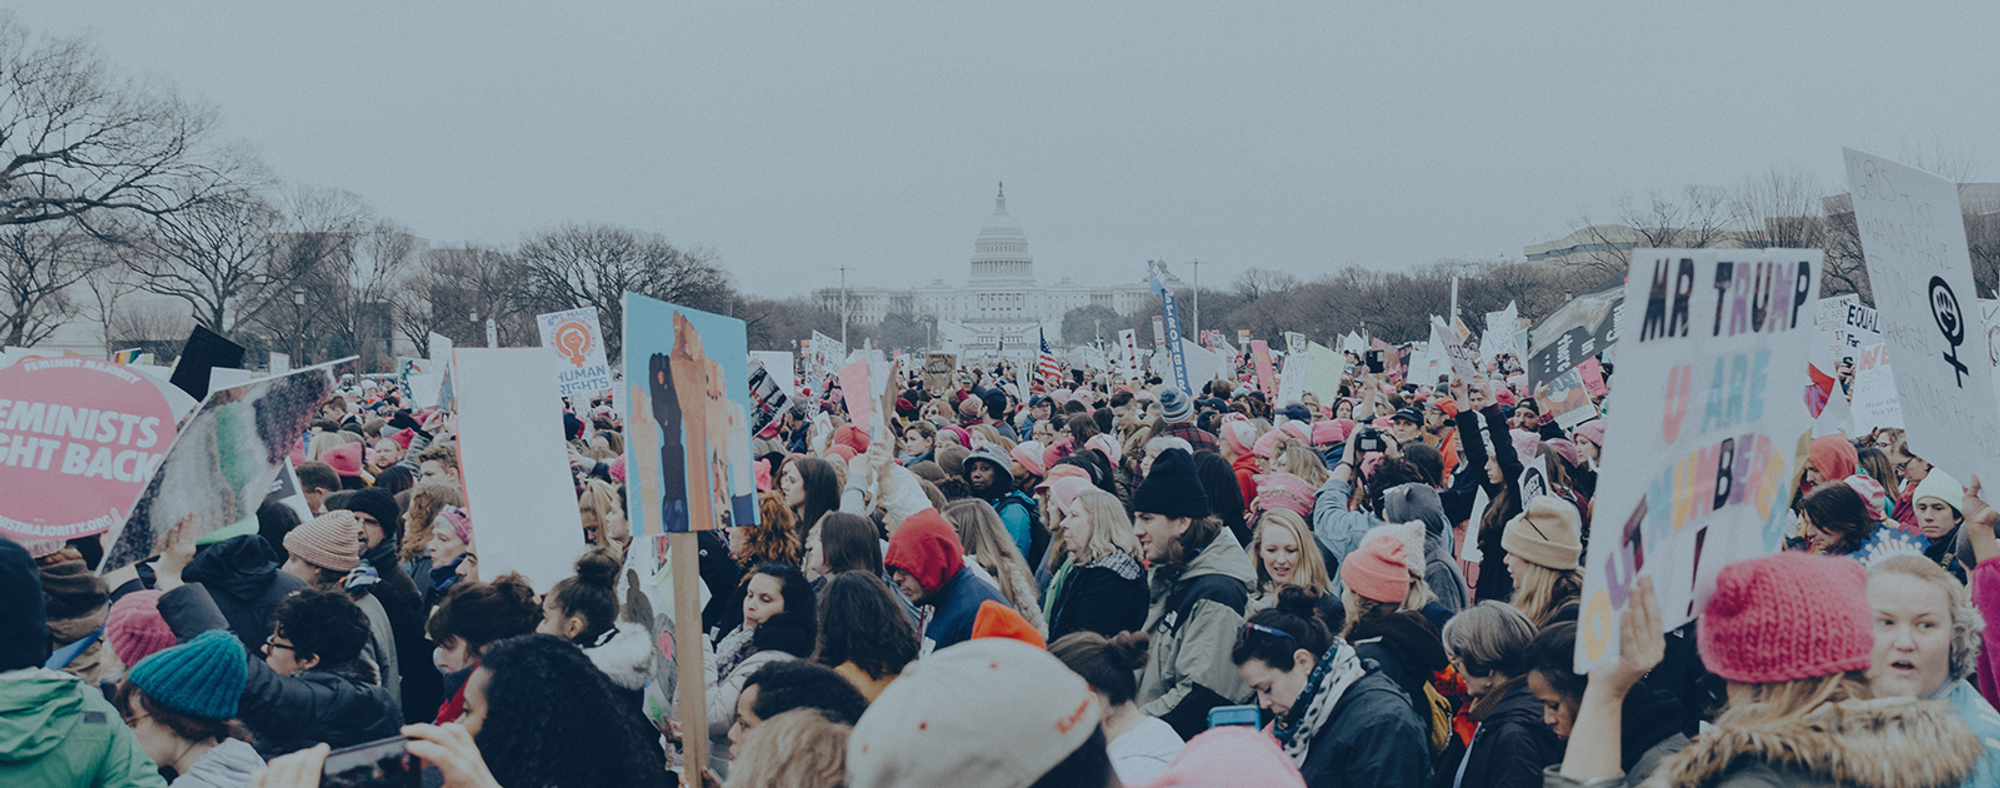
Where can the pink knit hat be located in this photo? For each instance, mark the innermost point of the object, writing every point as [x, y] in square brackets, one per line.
[1267, 446]
[1239, 436]
[1064, 491]
[1592, 431]
[1871, 494]
[1057, 472]
[135, 628]
[1029, 455]
[1108, 445]
[345, 459]
[460, 522]
[331, 540]
[1380, 570]
[1564, 449]
[1227, 757]
[1787, 616]
[841, 450]
[1524, 443]
[1329, 432]
[1284, 491]
[852, 437]
[617, 469]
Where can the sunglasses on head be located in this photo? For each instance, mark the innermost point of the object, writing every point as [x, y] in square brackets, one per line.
[1243, 632]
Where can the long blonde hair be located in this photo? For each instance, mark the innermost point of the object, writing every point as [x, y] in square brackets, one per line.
[1310, 571]
[985, 537]
[800, 748]
[426, 501]
[1110, 528]
[1543, 591]
[601, 499]
[1782, 699]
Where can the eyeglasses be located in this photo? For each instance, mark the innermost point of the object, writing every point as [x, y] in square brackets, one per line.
[271, 643]
[1243, 632]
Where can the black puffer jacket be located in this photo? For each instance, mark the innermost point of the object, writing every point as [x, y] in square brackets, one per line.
[1512, 745]
[1106, 596]
[1406, 650]
[1373, 739]
[242, 577]
[290, 713]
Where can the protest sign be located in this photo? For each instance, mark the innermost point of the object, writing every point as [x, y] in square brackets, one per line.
[1292, 380]
[78, 439]
[1464, 363]
[285, 489]
[827, 355]
[1322, 374]
[281, 363]
[1592, 374]
[205, 351]
[1875, 404]
[1353, 343]
[854, 390]
[1921, 273]
[767, 397]
[1584, 327]
[514, 464]
[1568, 400]
[1707, 426]
[1498, 338]
[1295, 342]
[1176, 346]
[578, 339]
[687, 443]
[1260, 352]
[222, 460]
[778, 364]
[938, 371]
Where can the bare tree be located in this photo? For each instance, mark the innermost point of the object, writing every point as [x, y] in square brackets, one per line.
[1254, 283]
[108, 286]
[82, 141]
[38, 265]
[1781, 208]
[594, 265]
[215, 255]
[452, 292]
[1696, 217]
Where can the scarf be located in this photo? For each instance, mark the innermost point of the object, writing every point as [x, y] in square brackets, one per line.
[1329, 680]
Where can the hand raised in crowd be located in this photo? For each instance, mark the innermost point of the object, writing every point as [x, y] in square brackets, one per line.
[1597, 736]
[298, 770]
[176, 548]
[450, 749]
[1980, 518]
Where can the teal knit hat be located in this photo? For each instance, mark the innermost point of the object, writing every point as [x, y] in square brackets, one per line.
[203, 677]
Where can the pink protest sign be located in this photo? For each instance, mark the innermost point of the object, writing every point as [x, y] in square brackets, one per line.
[1266, 381]
[1593, 377]
[78, 440]
[855, 389]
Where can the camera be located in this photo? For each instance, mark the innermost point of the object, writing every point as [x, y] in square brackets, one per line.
[1369, 439]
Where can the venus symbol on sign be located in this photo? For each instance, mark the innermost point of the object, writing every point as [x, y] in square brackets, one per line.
[1950, 321]
[573, 341]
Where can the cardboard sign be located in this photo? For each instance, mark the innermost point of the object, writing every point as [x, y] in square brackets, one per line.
[1498, 338]
[1568, 401]
[854, 390]
[78, 440]
[1921, 273]
[515, 465]
[1705, 433]
[1875, 403]
[1592, 374]
[939, 369]
[578, 340]
[1321, 375]
[223, 460]
[1464, 363]
[687, 440]
[205, 351]
[1260, 352]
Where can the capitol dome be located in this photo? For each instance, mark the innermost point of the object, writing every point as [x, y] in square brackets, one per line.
[1000, 255]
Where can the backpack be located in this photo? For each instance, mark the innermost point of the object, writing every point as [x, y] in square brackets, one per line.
[1038, 537]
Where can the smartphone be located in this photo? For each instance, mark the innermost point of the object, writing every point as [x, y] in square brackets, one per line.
[1234, 715]
[1375, 361]
[378, 764]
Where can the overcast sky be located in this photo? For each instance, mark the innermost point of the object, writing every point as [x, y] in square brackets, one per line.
[793, 138]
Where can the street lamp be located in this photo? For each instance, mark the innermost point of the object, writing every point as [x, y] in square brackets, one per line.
[299, 316]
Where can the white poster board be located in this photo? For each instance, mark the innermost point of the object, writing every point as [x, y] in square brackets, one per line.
[825, 360]
[1705, 430]
[1921, 274]
[515, 465]
[1499, 335]
[578, 340]
[778, 364]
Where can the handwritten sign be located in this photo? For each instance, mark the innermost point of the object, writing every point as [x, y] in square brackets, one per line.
[1705, 432]
[1914, 239]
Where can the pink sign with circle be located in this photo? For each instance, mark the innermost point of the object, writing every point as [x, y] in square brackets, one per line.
[79, 439]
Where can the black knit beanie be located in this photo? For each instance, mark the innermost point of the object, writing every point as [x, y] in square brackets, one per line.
[24, 626]
[1172, 489]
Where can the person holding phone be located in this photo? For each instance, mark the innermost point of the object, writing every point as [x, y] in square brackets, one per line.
[1339, 720]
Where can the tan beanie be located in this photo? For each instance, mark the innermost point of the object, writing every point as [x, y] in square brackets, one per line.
[330, 541]
[1548, 533]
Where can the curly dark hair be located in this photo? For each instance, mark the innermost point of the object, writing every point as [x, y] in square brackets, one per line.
[325, 623]
[483, 613]
[861, 622]
[787, 684]
[554, 721]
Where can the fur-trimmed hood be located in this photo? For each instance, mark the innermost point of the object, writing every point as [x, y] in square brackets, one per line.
[1881, 743]
[625, 654]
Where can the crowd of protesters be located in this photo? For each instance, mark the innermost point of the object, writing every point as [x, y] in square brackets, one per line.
[1086, 581]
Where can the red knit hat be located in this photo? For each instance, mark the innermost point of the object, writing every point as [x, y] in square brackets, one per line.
[330, 541]
[927, 547]
[135, 628]
[1787, 616]
[345, 459]
[1380, 570]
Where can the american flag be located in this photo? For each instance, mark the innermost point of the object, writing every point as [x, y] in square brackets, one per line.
[1045, 363]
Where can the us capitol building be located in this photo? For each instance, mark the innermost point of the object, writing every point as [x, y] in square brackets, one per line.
[1000, 302]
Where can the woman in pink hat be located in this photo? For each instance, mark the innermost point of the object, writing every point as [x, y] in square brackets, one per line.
[1793, 635]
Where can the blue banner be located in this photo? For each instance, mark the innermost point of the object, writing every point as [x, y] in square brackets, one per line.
[1174, 348]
